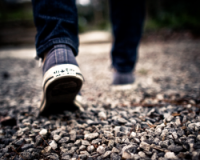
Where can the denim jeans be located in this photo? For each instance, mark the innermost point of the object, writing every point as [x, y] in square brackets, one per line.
[56, 23]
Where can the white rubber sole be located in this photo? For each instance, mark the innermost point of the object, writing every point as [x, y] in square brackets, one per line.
[61, 84]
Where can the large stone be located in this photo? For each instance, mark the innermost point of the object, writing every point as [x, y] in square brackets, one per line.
[91, 136]
[73, 135]
[142, 154]
[127, 155]
[64, 140]
[115, 156]
[164, 144]
[178, 121]
[53, 156]
[101, 150]
[145, 146]
[174, 135]
[19, 142]
[107, 154]
[115, 150]
[66, 157]
[158, 131]
[198, 137]
[53, 144]
[130, 150]
[56, 137]
[195, 155]
[133, 135]
[175, 148]
[26, 155]
[84, 153]
[86, 143]
[171, 155]
[78, 142]
[82, 147]
[102, 115]
[90, 148]
[111, 144]
[121, 120]
[26, 146]
[193, 126]
[96, 141]
[46, 150]
[108, 134]
[154, 156]
[164, 133]
[43, 132]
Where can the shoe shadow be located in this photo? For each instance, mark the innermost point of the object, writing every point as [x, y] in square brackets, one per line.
[60, 109]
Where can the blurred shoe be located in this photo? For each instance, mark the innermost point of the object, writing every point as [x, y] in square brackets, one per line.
[62, 80]
[123, 78]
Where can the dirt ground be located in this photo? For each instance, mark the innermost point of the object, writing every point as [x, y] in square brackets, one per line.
[155, 118]
[164, 66]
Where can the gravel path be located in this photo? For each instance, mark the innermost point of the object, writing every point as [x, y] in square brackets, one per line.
[157, 118]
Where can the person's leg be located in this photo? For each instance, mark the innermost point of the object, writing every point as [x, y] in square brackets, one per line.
[56, 23]
[57, 45]
[127, 23]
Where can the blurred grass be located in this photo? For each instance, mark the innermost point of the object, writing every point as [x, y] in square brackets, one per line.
[15, 12]
[84, 27]
[170, 21]
[17, 15]
[176, 15]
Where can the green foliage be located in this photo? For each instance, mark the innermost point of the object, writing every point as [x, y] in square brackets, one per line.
[176, 15]
[15, 12]
[17, 15]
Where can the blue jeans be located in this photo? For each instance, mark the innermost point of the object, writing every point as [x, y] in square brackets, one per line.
[56, 23]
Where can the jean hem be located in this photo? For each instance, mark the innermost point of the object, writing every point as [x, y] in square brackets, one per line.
[48, 45]
[124, 70]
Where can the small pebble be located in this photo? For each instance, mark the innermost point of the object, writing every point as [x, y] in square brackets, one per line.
[101, 150]
[43, 132]
[53, 144]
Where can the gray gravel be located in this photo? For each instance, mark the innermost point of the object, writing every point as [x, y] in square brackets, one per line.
[157, 118]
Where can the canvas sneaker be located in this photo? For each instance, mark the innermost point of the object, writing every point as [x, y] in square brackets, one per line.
[62, 80]
[123, 78]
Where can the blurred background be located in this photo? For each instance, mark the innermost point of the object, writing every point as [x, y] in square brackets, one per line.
[165, 17]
